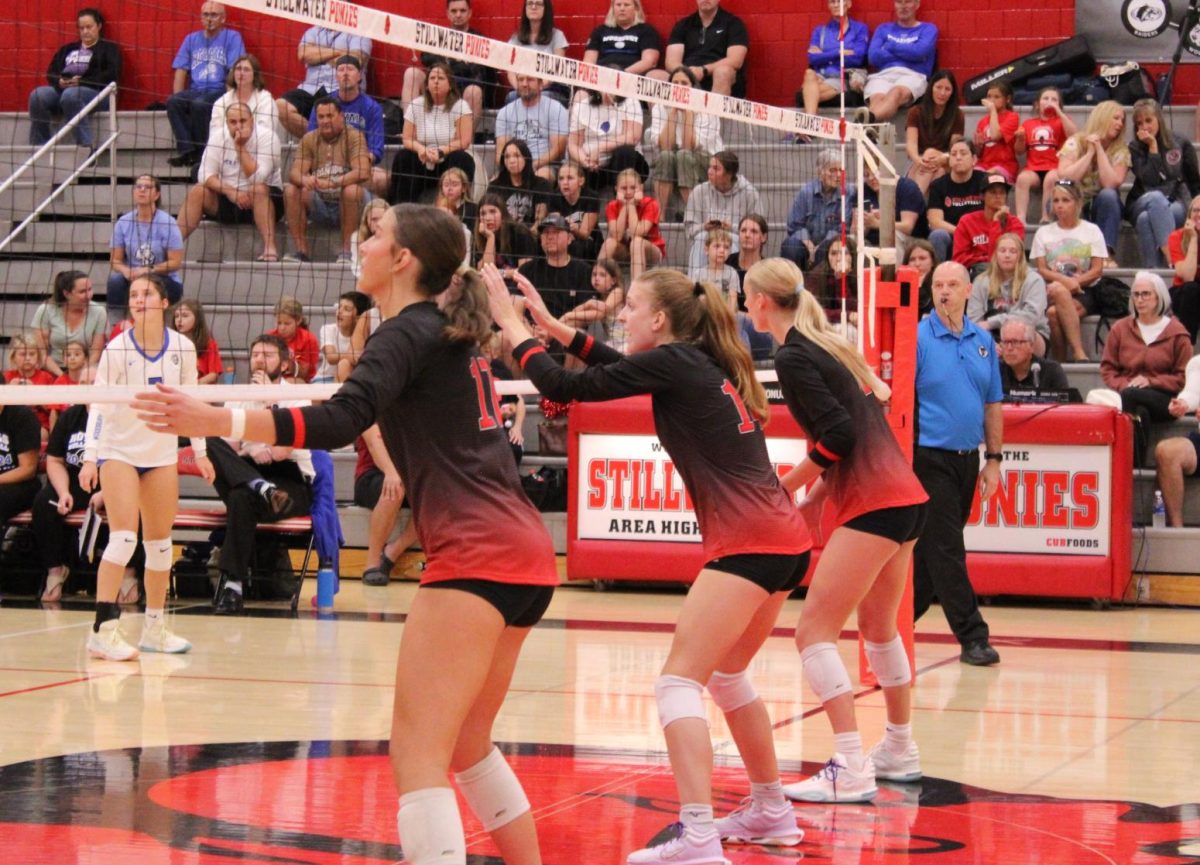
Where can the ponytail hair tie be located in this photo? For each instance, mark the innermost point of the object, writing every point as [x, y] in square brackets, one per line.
[799, 288]
[697, 289]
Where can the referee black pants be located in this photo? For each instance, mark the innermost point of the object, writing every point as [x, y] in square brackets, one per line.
[245, 508]
[940, 557]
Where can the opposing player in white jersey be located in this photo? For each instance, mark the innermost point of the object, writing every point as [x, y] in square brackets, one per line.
[137, 469]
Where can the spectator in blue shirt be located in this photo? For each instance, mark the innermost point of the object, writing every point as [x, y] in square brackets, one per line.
[816, 216]
[203, 62]
[823, 78]
[360, 112]
[319, 51]
[145, 240]
[902, 53]
[538, 120]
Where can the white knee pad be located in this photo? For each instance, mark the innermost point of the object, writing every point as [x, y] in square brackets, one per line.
[731, 691]
[431, 831]
[158, 554]
[492, 791]
[678, 698]
[889, 662]
[120, 547]
[825, 671]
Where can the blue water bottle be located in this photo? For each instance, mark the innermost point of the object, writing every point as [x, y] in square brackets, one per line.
[326, 587]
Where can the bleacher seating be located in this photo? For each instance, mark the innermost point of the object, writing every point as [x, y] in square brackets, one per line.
[76, 230]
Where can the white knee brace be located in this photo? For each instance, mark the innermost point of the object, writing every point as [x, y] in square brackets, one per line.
[120, 547]
[492, 791]
[678, 698]
[158, 554]
[431, 831]
[825, 671]
[731, 691]
[889, 662]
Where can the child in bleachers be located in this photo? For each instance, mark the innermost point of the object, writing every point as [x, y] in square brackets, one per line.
[717, 244]
[25, 361]
[633, 233]
[336, 336]
[603, 310]
[454, 195]
[75, 371]
[580, 208]
[372, 213]
[996, 134]
[292, 327]
[1040, 138]
[190, 321]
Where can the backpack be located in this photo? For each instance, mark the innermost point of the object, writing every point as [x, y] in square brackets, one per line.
[1128, 82]
[1112, 303]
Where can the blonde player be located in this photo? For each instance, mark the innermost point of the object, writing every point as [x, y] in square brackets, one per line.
[137, 469]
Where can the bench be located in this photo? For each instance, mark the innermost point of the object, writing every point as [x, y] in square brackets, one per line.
[203, 516]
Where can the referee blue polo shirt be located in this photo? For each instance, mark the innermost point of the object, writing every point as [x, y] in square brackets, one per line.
[956, 377]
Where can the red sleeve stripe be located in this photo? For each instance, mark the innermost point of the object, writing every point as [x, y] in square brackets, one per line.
[588, 342]
[298, 423]
[825, 452]
[524, 359]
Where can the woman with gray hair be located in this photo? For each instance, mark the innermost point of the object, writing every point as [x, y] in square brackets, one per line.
[1145, 356]
[817, 214]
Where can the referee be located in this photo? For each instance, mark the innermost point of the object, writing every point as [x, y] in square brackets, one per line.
[958, 405]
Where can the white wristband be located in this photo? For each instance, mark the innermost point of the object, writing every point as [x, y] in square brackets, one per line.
[237, 427]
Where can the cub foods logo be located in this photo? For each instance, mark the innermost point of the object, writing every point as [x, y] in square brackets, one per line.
[1146, 19]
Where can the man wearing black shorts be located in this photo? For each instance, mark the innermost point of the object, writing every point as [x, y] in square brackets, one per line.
[239, 180]
[472, 79]
[713, 43]
[319, 51]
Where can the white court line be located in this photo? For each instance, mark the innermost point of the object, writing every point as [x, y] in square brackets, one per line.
[79, 624]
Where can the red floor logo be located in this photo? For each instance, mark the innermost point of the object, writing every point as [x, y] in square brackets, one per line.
[320, 803]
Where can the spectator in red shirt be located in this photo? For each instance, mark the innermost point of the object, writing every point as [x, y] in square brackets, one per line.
[633, 218]
[996, 134]
[292, 327]
[976, 234]
[76, 370]
[1040, 138]
[1182, 251]
[25, 362]
[190, 321]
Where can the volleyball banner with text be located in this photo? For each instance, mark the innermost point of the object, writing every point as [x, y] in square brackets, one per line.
[628, 489]
[1053, 499]
[447, 42]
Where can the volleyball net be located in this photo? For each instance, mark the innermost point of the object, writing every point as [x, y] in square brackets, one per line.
[776, 150]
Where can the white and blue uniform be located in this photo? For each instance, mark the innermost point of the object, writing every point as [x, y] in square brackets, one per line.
[114, 431]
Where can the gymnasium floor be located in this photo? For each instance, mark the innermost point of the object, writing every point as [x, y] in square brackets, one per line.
[267, 744]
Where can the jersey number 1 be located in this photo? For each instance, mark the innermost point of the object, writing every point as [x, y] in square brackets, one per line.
[489, 400]
[747, 424]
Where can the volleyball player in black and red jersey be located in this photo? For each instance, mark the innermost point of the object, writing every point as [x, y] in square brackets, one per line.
[859, 472]
[685, 352]
[423, 380]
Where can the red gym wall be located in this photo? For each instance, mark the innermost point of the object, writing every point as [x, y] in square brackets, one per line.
[975, 35]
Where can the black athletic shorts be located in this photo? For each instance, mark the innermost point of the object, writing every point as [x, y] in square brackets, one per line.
[1194, 438]
[775, 572]
[902, 524]
[521, 606]
[368, 488]
[303, 101]
[229, 213]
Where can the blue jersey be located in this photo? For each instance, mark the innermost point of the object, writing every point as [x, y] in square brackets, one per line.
[957, 375]
[208, 61]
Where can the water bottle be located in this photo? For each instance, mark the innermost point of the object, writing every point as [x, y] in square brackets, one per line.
[1159, 518]
[885, 366]
[326, 587]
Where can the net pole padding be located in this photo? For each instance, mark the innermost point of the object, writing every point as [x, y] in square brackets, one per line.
[420, 36]
[869, 259]
[84, 394]
[896, 309]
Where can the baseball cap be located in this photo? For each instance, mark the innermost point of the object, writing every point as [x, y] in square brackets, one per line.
[554, 220]
[351, 59]
[998, 180]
